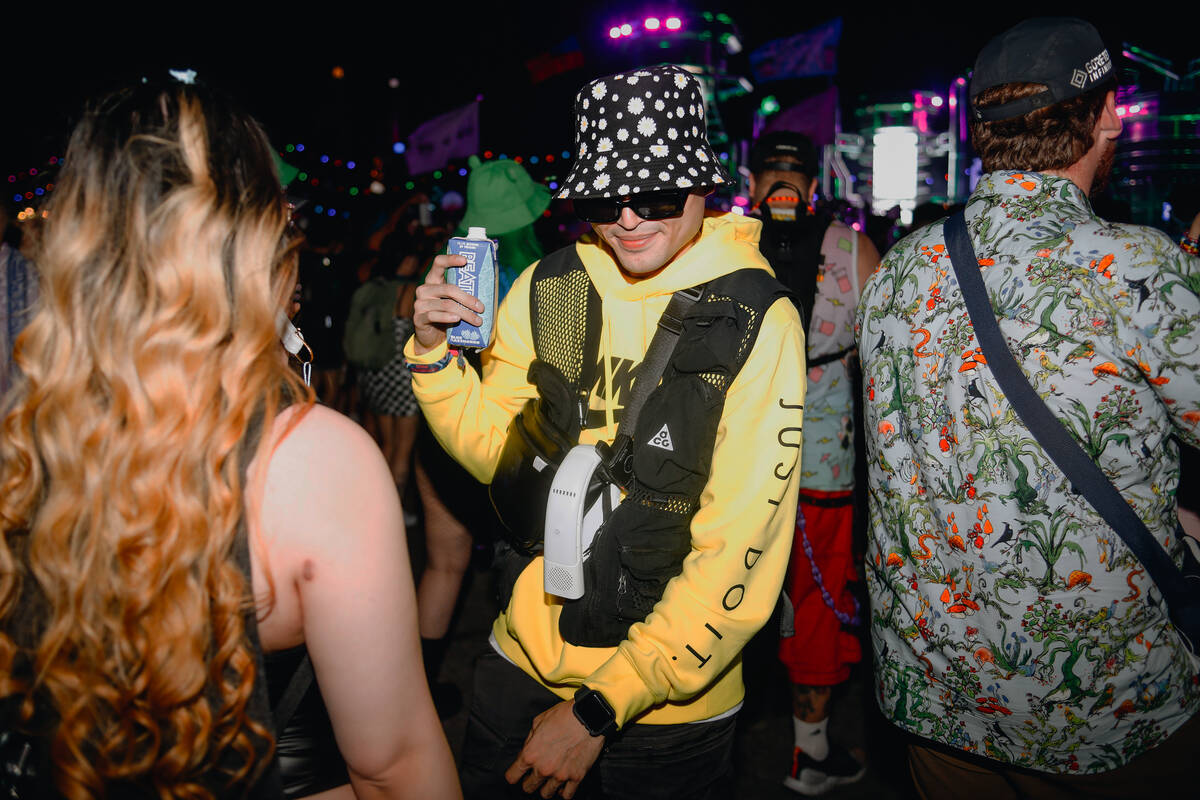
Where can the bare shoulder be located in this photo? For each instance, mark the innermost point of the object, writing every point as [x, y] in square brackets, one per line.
[325, 471]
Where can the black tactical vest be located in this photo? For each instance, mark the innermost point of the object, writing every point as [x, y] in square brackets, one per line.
[643, 544]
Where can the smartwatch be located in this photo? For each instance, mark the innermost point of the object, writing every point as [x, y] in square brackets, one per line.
[594, 712]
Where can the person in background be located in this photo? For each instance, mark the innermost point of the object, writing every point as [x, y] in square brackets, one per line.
[387, 386]
[18, 291]
[825, 263]
[176, 512]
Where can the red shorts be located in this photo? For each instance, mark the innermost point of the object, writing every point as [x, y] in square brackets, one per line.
[821, 651]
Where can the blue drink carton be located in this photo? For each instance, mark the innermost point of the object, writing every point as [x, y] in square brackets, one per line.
[478, 278]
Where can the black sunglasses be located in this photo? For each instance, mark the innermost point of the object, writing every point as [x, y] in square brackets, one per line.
[649, 206]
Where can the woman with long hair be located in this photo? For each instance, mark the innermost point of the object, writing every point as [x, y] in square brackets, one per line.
[173, 506]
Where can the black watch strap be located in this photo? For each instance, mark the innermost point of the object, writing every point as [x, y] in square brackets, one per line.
[594, 712]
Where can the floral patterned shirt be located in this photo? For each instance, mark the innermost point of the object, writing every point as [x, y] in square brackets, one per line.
[1008, 619]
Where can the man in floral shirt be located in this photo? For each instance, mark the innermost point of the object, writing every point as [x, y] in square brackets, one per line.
[1013, 630]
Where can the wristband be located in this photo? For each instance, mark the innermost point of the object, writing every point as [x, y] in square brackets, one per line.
[436, 366]
[1189, 245]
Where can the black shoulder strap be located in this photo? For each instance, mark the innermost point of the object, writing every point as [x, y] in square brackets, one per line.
[269, 783]
[1053, 436]
[650, 370]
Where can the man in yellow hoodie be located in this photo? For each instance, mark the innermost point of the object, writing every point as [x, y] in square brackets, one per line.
[660, 697]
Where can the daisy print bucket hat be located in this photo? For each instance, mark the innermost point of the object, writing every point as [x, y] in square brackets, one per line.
[641, 131]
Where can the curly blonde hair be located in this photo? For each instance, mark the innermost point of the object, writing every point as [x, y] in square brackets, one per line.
[166, 259]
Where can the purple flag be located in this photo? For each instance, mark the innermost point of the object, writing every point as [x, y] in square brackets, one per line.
[815, 117]
[812, 52]
[454, 134]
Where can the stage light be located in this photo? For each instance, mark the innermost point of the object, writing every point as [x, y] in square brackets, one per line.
[398, 147]
[626, 29]
[768, 106]
[533, 159]
[652, 23]
[319, 209]
[895, 166]
[462, 172]
[487, 154]
[324, 159]
[1135, 109]
[553, 185]
[289, 148]
[674, 23]
[354, 191]
[741, 200]
[1122, 111]
[614, 32]
[332, 212]
[338, 73]
[566, 153]
[303, 176]
[377, 187]
[936, 101]
[299, 148]
[738, 210]
[350, 165]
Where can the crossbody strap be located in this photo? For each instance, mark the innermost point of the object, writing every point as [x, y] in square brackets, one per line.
[649, 372]
[1055, 439]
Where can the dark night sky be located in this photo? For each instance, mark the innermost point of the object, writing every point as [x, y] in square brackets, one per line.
[279, 66]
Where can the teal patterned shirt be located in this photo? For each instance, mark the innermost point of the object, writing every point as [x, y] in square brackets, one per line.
[1008, 619]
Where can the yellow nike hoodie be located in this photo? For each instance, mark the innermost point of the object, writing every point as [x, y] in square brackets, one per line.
[682, 663]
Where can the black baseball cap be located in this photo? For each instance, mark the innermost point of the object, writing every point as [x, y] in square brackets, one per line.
[786, 151]
[1064, 53]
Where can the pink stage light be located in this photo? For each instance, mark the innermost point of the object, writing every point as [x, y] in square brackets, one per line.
[674, 23]
[652, 23]
[614, 32]
[626, 29]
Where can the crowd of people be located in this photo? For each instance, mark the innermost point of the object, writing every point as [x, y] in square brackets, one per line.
[684, 421]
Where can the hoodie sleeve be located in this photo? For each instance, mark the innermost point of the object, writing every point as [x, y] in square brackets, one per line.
[470, 416]
[741, 536]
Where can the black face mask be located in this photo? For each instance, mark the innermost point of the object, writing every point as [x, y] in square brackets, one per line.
[765, 208]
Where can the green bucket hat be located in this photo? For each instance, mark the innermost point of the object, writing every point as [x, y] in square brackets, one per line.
[502, 197]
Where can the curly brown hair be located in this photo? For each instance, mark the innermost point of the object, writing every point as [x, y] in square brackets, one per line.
[166, 259]
[1054, 137]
